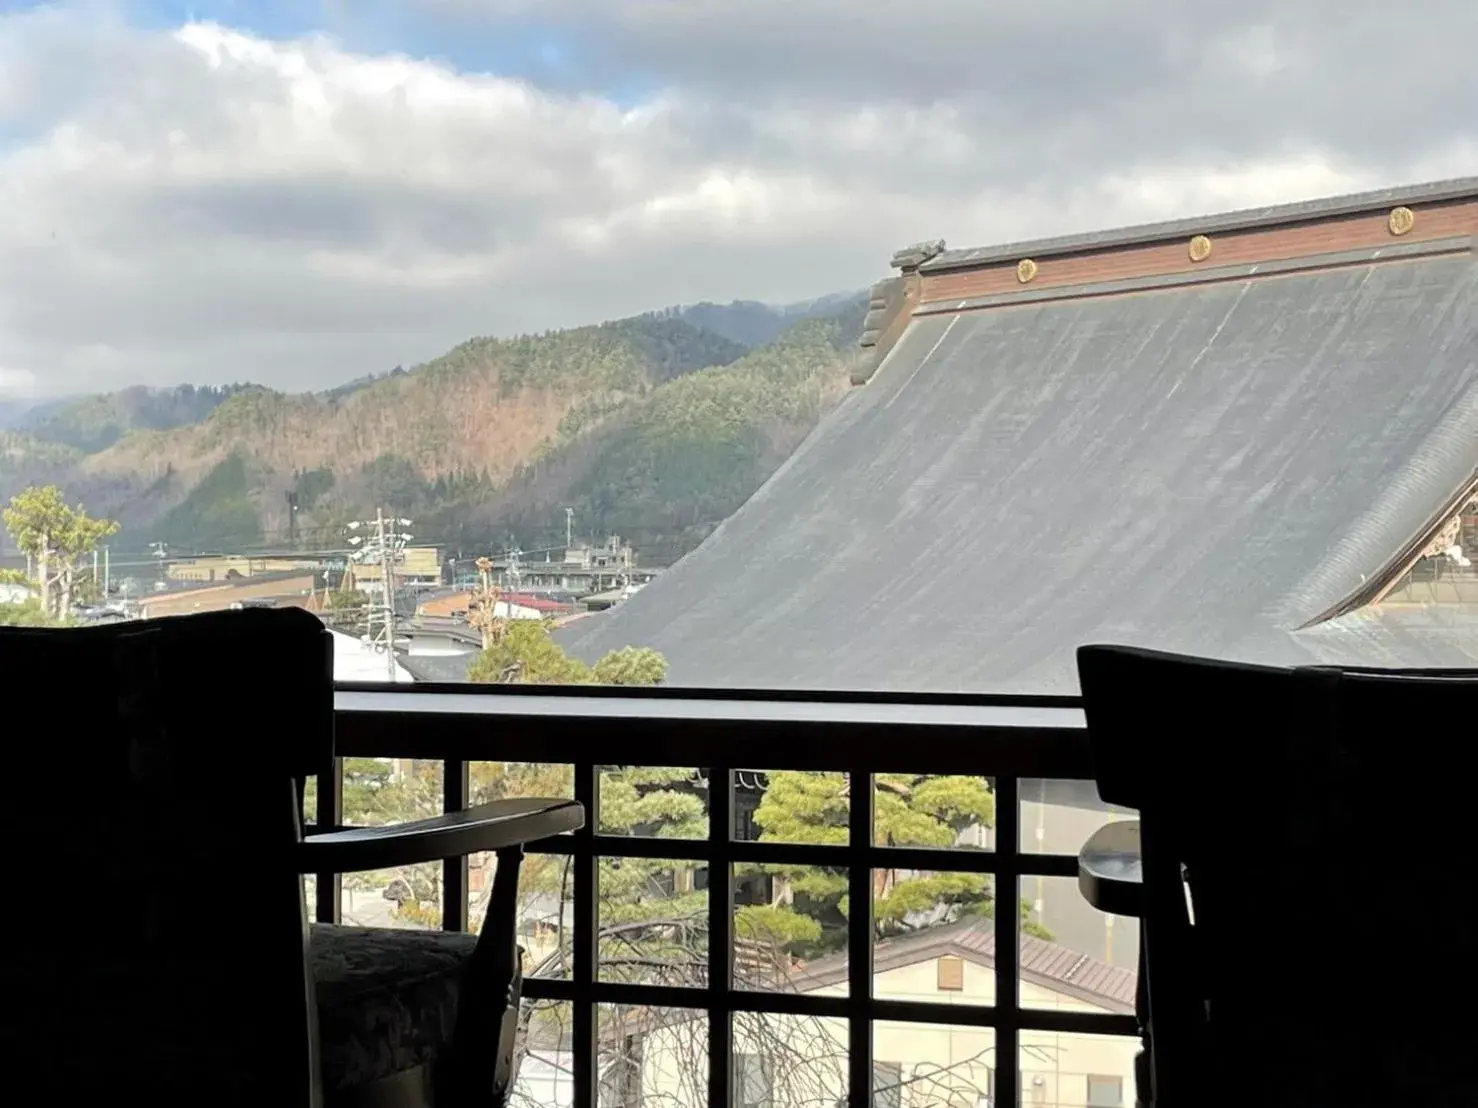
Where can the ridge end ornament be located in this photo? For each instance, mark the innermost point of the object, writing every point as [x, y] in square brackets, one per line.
[1401, 220]
[1200, 248]
[1026, 270]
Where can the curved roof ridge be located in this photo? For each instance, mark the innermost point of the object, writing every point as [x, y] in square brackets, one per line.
[1435, 192]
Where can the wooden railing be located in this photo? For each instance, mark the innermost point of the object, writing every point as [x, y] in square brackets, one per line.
[1006, 741]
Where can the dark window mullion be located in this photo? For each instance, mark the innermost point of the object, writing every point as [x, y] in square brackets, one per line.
[329, 817]
[586, 942]
[1008, 942]
[859, 937]
[720, 935]
[455, 794]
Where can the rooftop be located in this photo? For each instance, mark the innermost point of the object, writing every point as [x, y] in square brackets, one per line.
[1043, 963]
[1226, 446]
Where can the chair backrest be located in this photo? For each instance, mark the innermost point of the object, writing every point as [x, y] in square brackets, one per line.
[150, 825]
[1322, 817]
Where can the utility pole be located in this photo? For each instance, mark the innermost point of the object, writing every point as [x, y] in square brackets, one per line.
[386, 545]
[107, 575]
[292, 519]
[569, 527]
[515, 571]
[387, 587]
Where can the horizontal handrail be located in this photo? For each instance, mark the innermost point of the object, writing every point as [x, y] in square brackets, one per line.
[1033, 739]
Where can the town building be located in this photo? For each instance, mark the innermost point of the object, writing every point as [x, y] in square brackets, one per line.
[229, 567]
[284, 588]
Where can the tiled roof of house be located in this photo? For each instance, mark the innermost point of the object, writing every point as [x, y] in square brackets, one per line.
[1045, 964]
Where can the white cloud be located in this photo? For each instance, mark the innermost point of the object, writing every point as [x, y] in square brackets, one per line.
[211, 205]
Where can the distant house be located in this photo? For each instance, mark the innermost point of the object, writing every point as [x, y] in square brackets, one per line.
[212, 568]
[456, 604]
[420, 566]
[782, 1061]
[287, 588]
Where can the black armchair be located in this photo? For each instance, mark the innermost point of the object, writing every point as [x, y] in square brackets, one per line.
[159, 778]
[1291, 823]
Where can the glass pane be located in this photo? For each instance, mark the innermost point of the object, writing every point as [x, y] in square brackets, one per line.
[924, 1064]
[504, 780]
[546, 908]
[790, 928]
[1058, 817]
[791, 807]
[1083, 958]
[934, 810]
[546, 1064]
[934, 936]
[653, 920]
[784, 1060]
[1077, 1071]
[379, 791]
[661, 802]
[655, 1056]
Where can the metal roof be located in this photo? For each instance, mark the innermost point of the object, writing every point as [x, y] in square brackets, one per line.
[1202, 468]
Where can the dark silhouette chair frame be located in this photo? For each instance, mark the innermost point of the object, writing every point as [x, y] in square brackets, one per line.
[156, 786]
[1309, 747]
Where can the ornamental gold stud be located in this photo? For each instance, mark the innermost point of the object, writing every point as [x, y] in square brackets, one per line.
[1200, 248]
[1401, 220]
[1026, 269]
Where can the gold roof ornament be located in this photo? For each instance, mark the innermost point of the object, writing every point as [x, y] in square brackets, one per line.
[1026, 269]
[1200, 248]
[1401, 220]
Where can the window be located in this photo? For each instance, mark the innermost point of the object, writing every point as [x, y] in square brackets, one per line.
[887, 1085]
[951, 973]
[753, 1081]
[1105, 1092]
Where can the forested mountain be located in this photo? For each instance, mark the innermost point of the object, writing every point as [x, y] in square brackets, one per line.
[93, 423]
[755, 324]
[651, 427]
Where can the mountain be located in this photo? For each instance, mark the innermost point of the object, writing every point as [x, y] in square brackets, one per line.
[651, 427]
[665, 472]
[13, 413]
[756, 324]
[93, 423]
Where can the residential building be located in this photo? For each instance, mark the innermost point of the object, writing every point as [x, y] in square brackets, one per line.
[286, 588]
[783, 1061]
[224, 567]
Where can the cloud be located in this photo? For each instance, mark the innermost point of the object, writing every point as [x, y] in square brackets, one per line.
[209, 204]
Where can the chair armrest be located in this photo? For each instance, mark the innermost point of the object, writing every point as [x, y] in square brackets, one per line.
[495, 826]
[1110, 869]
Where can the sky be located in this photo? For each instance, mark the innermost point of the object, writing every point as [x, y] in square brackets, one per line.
[300, 192]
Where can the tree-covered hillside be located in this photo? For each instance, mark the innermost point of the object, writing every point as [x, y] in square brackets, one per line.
[756, 324]
[95, 423]
[666, 471]
[650, 427]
